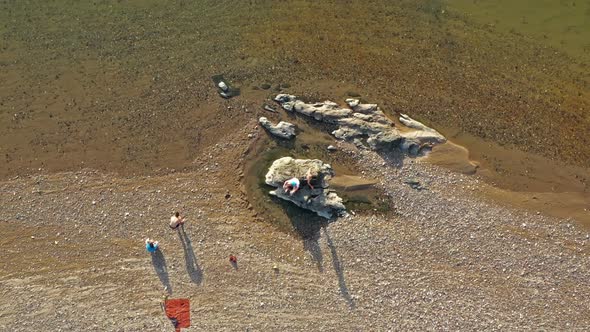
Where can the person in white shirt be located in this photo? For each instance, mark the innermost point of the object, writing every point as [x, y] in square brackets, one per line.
[176, 221]
[291, 186]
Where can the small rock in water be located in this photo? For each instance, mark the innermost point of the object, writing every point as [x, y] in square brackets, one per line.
[269, 108]
[283, 129]
[352, 102]
[332, 148]
[265, 86]
[222, 86]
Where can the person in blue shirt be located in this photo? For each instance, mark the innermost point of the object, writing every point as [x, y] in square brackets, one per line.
[151, 245]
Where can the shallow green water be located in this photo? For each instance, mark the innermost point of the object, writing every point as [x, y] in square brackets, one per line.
[104, 82]
[563, 24]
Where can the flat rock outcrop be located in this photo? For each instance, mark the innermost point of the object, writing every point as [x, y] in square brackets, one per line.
[320, 200]
[366, 124]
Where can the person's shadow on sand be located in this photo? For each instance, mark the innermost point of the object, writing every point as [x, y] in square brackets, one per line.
[339, 271]
[307, 225]
[192, 265]
[159, 263]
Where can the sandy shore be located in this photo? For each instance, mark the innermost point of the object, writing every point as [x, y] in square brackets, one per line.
[73, 257]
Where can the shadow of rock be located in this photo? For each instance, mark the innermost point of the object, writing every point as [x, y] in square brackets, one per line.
[192, 265]
[339, 271]
[308, 226]
[394, 158]
[159, 263]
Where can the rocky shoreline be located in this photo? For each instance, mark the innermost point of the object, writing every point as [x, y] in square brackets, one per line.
[443, 259]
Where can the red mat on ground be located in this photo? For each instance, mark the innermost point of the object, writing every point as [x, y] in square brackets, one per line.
[180, 310]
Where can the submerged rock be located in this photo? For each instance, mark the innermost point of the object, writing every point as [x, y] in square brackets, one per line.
[320, 199]
[224, 88]
[283, 129]
[269, 108]
[366, 125]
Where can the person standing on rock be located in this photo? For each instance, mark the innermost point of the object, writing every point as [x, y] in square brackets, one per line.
[291, 186]
[176, 221]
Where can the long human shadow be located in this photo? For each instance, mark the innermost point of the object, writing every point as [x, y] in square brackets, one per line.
[192, 264]
[159, 263]
[308, 226]
[339, 271]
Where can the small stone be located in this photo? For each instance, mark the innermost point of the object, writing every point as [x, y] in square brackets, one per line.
[269, 108]
[222, 86]
[265, 86]
[332, 148]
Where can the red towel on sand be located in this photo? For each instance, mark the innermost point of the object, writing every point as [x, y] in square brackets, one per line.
[180, 310]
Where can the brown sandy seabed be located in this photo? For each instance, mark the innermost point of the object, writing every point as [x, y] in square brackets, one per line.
[103, 115]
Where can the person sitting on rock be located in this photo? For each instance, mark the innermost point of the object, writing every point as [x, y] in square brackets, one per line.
[176, 221]
[151, 246]
[291, 186]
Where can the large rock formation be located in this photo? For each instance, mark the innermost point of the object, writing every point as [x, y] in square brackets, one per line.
[283, 129]
[366, 124]
[320, 200]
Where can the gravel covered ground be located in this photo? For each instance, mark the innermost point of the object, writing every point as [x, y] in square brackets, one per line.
[112, 122]
[73, 256]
